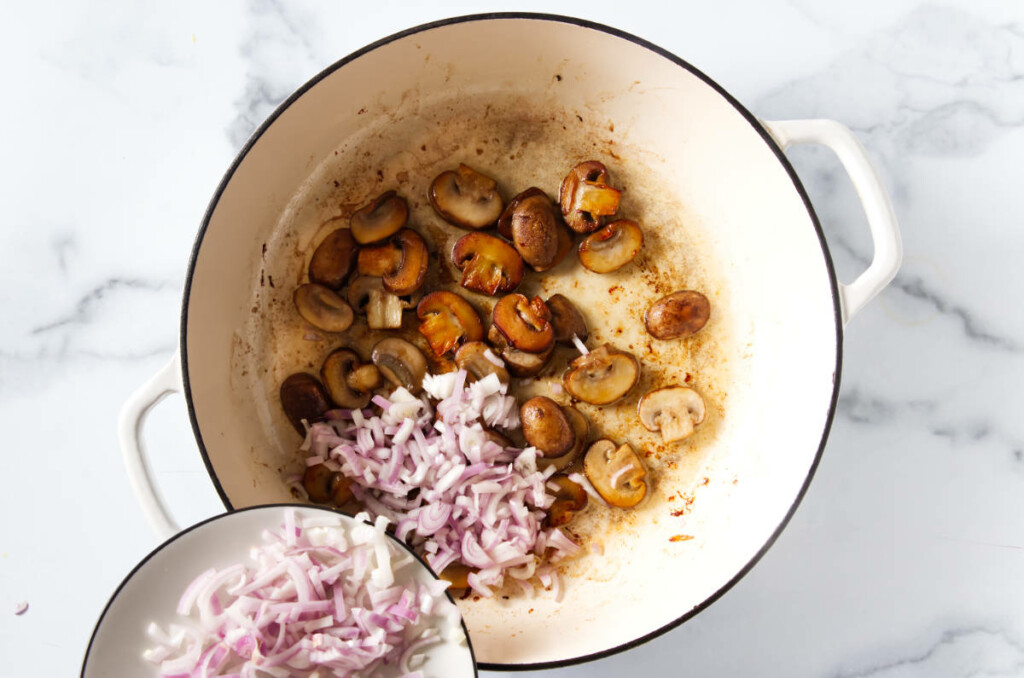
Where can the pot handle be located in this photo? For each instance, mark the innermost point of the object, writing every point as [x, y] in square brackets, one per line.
[885, 231]
[129, 430]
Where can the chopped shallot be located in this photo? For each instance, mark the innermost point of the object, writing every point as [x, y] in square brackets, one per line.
[317, 600]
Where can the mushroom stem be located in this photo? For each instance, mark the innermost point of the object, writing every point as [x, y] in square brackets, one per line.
[580, 346]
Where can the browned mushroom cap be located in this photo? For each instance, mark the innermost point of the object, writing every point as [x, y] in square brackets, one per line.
[379, 219]
[519, 363]
[585, 196]
[570, 499]
[401, 262]
[488, 264]
[566, 320]
[532, 223]
[316, 481]
[349, 383]
[466, 198]
[303, 397]
[333, 259]
[546, 427]
[448, 320]
[673, 410]
[322, 308]
[612, 247]
[479, 361]
[678, 315]
[526, 323]
[617, 473]
[581, 429]
[602, 376]
[401, 363]
[340, 488]
[383, 309]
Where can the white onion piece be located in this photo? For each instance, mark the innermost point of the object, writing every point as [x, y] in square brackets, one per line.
[314, 601]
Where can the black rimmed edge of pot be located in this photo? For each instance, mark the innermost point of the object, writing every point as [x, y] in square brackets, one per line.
[230, 511]
[750, 118]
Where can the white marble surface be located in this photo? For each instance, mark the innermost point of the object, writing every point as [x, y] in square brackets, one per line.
[907, 555]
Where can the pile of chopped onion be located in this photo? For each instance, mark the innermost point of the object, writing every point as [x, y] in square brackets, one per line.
[317, 601]
[453, 492]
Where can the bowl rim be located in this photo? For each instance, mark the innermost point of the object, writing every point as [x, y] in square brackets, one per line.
[640, 42]
[280, 505]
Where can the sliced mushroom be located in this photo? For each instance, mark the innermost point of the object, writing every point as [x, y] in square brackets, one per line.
[546, 427]
[519, 363]
[532, 223]
[479, 360]
[316, 481]
[673, 410]
[322, 308]
[333, 259]
[612, 247]
[457, 575]
[463, 197]
[383, 309]
[380, 219]
[401, 363]
[488, 264]
[303, 398]
[526, 323]
[401, 262]
[602, 376]
[570, 499]
[581, 429]
[566, 320]
[349, 383]
[448, 320]
[617, 473]
[340, 488]
[677, 315]
[585, 196]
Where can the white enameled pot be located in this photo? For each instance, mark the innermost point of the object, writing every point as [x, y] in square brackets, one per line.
[523, 98]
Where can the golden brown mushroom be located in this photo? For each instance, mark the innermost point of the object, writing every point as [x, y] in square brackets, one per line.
[457, 575]
[601, 376]
[585, 196]
[479, 360]
[348, 381]
[581, 429]
[617, 473]
[466, 198]
[400, 262]
[677, 315]
[612, 247]
[340, 488]
[381, 218]
[546, 427]
[531, 221]
[401, 363]
[488, 264]
[316, 481]
[303, 398]
[448, 320]
[566, 320]
[322, 308]
[570, 499]
[673, 410]
[525, 323]
[333, 259]
[519, 363]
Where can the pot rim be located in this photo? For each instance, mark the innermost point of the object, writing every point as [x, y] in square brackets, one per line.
[640, 42]
[280, 505]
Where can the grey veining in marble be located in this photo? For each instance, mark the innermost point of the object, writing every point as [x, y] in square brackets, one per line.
[906, 558]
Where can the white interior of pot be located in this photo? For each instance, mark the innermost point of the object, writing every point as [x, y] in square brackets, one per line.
[775, 310]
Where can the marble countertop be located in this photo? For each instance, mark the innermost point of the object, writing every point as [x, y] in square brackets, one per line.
[907, 556]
